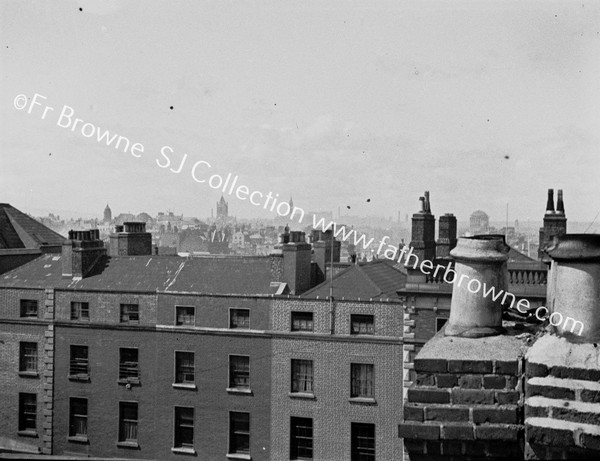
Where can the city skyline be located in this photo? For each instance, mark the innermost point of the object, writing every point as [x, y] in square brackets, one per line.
[482, 104]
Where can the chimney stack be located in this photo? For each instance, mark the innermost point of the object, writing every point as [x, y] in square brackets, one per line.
[560, 206]
[423, 231]
[447, 235]
[481, 262]
[80, 252]
[555, 224]
[130, 239]
[550, 202]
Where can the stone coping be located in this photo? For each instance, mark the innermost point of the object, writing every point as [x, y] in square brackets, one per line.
[552, 351]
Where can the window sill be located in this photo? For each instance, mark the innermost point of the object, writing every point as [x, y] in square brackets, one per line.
[82, 378]
[188, 386]
[29, 374]
[235, 390]
[363, 400]
[302, 395]
[28, 433]
[132, 381]
[183, 450]
[78, 439]
[125, 444]
[238, 456]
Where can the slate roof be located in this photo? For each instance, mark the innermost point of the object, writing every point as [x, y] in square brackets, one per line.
[214, 275]
[376, 279]
[17, 230]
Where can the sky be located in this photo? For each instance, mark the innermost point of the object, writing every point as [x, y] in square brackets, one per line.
[484, 104]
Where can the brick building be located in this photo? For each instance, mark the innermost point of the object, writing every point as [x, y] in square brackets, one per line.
[121, 353]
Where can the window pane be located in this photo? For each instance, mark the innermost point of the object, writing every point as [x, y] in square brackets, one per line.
[239, 432]
[79, 361]
[29, 308]
[78, 417]
[130, 313]
[185, 315]
[239, 318]
[28, 357]
[80, 311]
[302, 321]
[362, 324]
[363, 442]
[302, 375]
[184, 367]
[301, 438]
[27, 412]
[362, 380]
[184, 427]
[128, 421]
[239, 371]
[128, 364]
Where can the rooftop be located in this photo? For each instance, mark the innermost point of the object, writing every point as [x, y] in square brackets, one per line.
[17, 230]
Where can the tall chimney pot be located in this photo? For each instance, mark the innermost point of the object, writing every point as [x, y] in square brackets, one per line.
[574, 287]
[479, 260]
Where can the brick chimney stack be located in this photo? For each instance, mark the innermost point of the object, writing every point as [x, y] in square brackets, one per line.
[80, 252]
[130, 239]
[446, 235]
[423, 231]
[555, 224]
[291, 261]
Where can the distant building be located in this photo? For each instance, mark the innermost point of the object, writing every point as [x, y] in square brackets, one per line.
[222, 209]
[107, 215]
[479, 223]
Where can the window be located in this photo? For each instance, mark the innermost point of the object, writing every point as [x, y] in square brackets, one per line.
[301, 438]
[302, 376]
[129, 369]
[362, 380]
[128, 422]
[79, 364]
[184, 367]
[29, 308]
[239, 318]
[239, 372]
[78, 414]
[363, 442]
[185, 315]
[184, 427]
[80, 311]
[302, 321]
[239, 432]
[130, 313]
[28, 358]
[362, 324]
[27, 412]
[439, 323]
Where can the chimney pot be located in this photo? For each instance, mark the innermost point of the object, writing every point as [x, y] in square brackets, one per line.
[574, 286]
[482, 258]
[550, 202]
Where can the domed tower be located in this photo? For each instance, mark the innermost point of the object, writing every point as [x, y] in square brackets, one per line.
[107, 215]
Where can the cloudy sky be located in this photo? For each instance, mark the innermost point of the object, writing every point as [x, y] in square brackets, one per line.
[482, 103]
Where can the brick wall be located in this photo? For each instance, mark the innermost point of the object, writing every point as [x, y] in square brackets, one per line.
[466, 401]
[331, 409]
[562, 407]
[106, 307]
[156, 395]
[213, 311]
